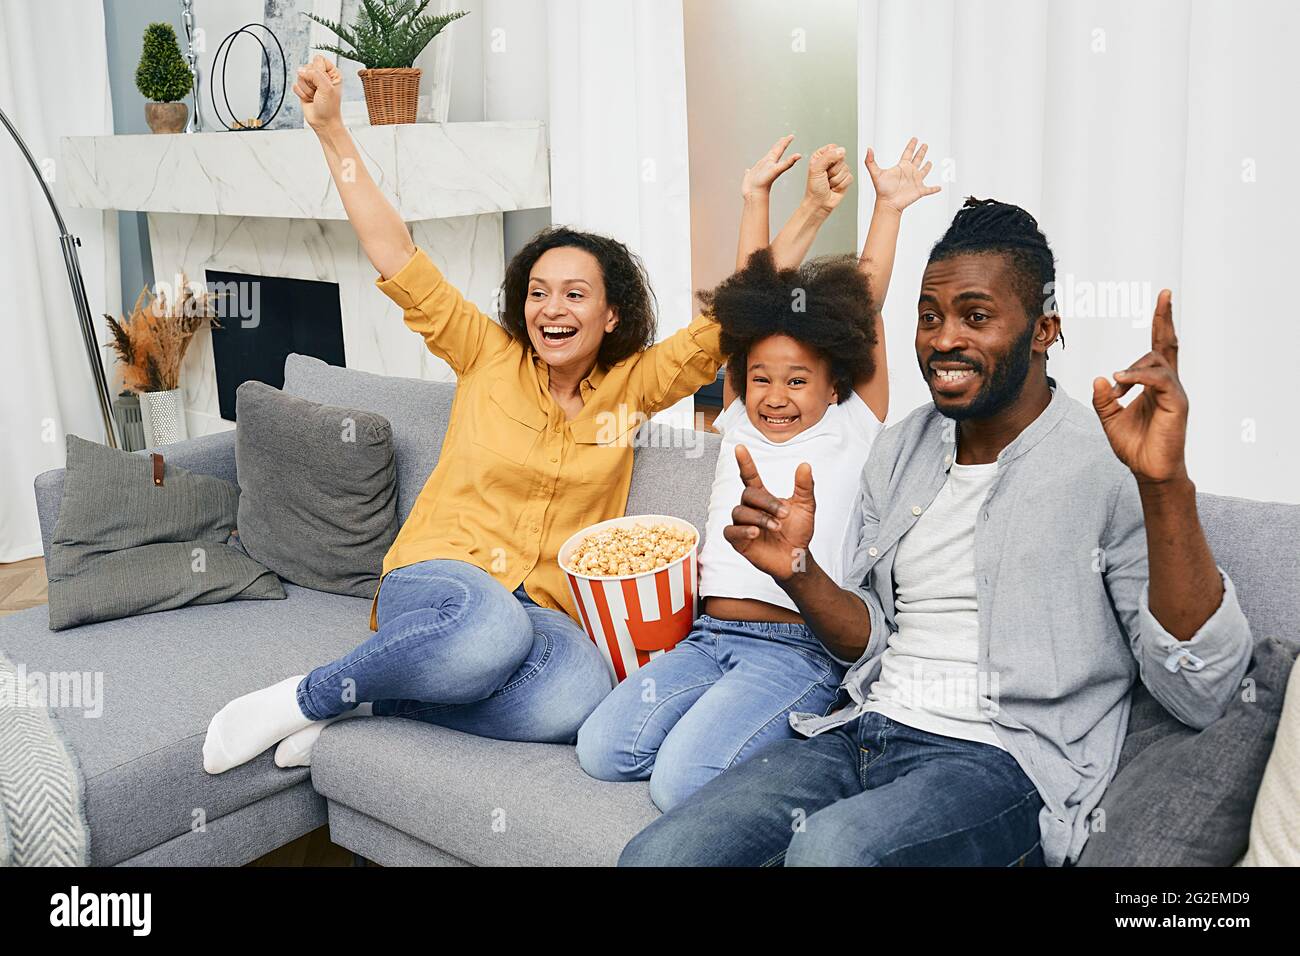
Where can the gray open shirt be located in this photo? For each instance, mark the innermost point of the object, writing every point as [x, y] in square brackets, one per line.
[1061, 583]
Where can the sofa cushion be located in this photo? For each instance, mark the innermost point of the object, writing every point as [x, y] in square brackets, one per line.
[130, 541]
[139, 741]
[418, 412]
[487, 802]
[672, 473]
[318, 499]
[1183, 797]
[1255, 543]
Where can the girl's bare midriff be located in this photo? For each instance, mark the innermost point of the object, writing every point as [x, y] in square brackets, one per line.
[747, 609]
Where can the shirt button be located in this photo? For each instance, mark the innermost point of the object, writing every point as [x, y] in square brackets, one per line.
[916, 509]
[873, 551]
[534, 529]
[554, 459]
[947, 460]
[986, 516]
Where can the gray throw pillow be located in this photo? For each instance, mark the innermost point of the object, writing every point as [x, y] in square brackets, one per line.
[124, 544]
[318, 491]
[1184, 797]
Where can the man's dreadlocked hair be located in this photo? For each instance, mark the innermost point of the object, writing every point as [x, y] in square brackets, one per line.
[986, 225]
[824, 304]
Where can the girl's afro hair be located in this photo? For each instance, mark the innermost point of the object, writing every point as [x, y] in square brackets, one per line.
[825, 304]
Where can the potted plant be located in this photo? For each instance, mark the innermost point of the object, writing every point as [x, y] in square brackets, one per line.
[385, 38]
[164, 78]
[151, 345]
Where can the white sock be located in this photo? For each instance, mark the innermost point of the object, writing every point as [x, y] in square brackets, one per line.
[248, 725]
[295, 750]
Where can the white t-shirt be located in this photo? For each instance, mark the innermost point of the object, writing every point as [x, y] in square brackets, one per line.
[928, 677]
[836, 448]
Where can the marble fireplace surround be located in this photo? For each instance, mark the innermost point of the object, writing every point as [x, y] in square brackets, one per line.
[262, 203]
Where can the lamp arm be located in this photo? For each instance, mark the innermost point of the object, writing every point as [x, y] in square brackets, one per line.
[72, 263]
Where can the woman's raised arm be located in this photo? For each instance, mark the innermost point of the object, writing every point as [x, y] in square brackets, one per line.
[383, 235]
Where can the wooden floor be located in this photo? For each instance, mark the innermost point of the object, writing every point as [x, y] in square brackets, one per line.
[22, 585]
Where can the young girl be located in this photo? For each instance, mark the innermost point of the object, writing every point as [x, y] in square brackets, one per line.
[806, 382]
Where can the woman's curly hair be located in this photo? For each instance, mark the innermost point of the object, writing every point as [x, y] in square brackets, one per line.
[626, 289]
[825, 304]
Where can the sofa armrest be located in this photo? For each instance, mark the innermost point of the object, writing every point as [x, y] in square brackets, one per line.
[206, 455]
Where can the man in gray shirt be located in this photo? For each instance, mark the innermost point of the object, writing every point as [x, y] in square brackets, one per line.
[1088, 571]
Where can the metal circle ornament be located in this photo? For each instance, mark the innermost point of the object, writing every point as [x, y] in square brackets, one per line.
[217, 81]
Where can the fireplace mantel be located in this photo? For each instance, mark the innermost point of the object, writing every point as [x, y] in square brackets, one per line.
[262, 204]
[428, 171]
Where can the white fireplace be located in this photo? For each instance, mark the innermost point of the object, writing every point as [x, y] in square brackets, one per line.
[262, 204]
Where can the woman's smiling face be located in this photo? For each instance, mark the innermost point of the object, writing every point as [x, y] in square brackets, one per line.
[565, 310]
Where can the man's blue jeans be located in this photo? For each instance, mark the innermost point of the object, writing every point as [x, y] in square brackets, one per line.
[714, 700]
[871, 793]
[455, 648]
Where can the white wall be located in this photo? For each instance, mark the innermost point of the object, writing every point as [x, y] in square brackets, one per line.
[1155, 143]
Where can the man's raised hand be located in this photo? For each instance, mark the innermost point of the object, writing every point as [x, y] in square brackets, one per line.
[772, 533]
[1150, 433]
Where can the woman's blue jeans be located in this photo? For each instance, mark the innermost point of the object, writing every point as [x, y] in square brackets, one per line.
[455, 648]
[714, 700]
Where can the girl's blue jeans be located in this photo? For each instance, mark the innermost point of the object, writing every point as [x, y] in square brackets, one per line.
[455, 648]
[714, 700]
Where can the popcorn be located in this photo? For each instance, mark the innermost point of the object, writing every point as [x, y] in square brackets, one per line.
[635, 582]
[630, 550]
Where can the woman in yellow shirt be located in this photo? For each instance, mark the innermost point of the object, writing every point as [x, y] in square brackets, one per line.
[476, 629]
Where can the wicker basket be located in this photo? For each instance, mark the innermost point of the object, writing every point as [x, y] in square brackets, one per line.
[391, 94]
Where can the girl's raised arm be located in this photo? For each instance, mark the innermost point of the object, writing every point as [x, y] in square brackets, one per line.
[755, 190]
[896, 188]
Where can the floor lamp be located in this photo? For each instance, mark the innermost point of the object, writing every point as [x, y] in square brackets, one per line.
[72, 263]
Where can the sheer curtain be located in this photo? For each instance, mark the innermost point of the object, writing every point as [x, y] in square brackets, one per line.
[1155, 142]
[53, 82]
[619, 162]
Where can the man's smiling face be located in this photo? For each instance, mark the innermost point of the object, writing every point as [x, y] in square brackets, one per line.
[974, 341]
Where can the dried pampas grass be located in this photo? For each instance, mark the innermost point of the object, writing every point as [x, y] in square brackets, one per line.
[151, 343]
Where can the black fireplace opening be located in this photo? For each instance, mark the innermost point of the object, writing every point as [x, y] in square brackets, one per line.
[263, 319]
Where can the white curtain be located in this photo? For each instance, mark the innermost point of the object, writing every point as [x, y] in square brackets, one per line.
[619, 161]
[53, 83]
[1155, 143]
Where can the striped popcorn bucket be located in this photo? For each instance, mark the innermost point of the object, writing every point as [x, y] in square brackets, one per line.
[636, 617]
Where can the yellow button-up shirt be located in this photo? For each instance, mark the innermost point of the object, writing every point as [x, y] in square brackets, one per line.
[516, 477]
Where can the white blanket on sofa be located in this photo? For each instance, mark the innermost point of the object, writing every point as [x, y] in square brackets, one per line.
[42, 811]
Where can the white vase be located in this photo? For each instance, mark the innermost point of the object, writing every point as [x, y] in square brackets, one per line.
[163, 417]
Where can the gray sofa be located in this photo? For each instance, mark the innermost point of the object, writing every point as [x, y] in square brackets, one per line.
[397, 791]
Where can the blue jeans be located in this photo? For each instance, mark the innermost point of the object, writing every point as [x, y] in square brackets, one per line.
[455, 648]
[871, 793]
[711, 702]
